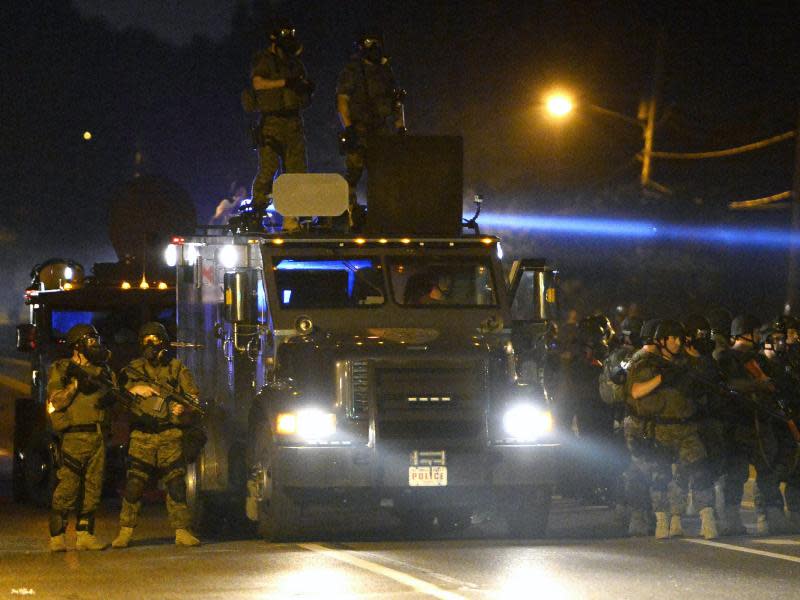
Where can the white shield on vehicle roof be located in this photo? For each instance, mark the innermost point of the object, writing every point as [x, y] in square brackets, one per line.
[310, 194]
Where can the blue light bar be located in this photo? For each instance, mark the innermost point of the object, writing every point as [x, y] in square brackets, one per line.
[322, 265]
[599, 227]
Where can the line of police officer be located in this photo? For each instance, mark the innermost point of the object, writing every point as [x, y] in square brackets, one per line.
[696, 405]
[368, 103]
[80, 392]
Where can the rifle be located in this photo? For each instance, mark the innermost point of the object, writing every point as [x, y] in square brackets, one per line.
[781, 414]
[168, 392]
[98, 382]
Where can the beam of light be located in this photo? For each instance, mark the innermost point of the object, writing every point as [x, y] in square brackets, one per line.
[622, 228]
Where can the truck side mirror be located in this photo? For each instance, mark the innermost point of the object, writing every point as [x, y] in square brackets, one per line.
[26, 337]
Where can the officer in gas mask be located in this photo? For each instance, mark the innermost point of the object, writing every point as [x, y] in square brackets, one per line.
[369, 103]
[77, 416]
[281, 89]
[156, 444]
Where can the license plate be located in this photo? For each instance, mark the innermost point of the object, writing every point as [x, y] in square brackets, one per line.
[427, 476]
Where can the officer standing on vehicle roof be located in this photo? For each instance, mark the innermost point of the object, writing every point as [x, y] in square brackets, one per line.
[282, 90]
[156, 445]
[78, 417]
[367, 97]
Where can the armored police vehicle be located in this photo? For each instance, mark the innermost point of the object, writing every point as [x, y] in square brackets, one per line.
[358, 372]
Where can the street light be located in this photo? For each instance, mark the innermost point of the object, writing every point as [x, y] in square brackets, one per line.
[560, 104]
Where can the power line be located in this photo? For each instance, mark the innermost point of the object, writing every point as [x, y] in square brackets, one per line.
[759, 202]
[728, 151]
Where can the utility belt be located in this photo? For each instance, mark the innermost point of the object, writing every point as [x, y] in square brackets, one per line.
[153, 428]
[88, 428]
[286, 113]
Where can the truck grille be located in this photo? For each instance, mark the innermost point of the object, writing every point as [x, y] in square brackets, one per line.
[432, 399]
[352, 388]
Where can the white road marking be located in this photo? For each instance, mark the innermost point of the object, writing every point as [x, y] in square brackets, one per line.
[417, 585]
[744, 549]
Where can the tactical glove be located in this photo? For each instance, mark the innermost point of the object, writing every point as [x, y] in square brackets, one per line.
[671, 376]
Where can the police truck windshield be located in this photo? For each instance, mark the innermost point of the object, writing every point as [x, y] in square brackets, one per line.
[327, 283]
[433, 281]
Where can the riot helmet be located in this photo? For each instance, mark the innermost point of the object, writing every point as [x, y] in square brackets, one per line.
[744, 325]
[698, 333]
[154, 342]
[668, 329]
[85, 339]
[284, 36]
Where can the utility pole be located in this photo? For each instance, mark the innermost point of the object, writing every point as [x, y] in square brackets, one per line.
[647, 112]
[793, 280]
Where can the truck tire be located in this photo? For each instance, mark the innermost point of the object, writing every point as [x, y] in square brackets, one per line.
[195, 499]
[279, 516]
[528, 512]
[38, 471]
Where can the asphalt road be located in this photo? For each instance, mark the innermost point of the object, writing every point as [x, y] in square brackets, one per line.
[583, 556]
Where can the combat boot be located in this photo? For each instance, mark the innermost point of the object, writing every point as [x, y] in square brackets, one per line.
[58, 543]
[662, 526]
[88, 541]
[708, 524]
[638, 526]
[732, 522]
[762, 525]
[777, 523]
[184, 537]
[86, 538]
[123, 540]
[675, 526]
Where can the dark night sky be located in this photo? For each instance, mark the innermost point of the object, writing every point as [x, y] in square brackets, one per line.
[163, 77]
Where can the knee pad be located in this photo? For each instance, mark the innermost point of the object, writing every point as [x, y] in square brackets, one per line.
[176, 488]
[134, 488]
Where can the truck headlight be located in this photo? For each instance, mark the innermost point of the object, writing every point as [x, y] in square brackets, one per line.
[527, 422]
[309, 424]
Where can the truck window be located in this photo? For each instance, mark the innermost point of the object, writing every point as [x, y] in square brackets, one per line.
[435, 281]
[325, 283]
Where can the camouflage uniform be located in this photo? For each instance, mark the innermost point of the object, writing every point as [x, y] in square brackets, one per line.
[371, 92]
[752, 435]
[80, 426]
[281, 140]
[787, 456]
[665, 417]
[156, 442]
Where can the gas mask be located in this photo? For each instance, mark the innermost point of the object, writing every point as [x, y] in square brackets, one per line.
[702, 342]
[371, 50]
[286, 41]
[155, 350]
[94, 351]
